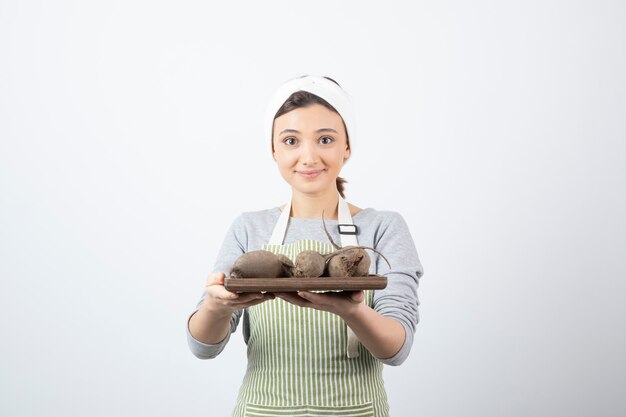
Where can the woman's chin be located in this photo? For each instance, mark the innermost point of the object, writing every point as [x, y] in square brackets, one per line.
[311, 187]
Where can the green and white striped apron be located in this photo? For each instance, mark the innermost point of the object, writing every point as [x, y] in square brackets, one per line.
[297, 361]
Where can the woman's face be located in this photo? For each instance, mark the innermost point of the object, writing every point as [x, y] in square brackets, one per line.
[310, 147]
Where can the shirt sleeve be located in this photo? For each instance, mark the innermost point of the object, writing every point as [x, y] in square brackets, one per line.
[399, 299]
[234, 245]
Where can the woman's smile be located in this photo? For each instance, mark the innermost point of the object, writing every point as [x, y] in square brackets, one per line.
[310, 173]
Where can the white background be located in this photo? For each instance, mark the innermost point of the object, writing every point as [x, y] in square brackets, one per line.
[131, 137]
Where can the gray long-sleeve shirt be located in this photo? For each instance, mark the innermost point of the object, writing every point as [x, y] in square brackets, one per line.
[384, 230]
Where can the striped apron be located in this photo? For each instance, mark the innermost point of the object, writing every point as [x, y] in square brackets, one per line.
[297, 361]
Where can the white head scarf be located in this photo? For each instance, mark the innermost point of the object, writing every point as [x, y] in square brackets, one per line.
[321, 87]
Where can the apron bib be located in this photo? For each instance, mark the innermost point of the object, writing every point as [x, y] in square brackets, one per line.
[297, 361]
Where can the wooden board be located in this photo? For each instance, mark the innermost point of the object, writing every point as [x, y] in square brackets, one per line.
[371, 282]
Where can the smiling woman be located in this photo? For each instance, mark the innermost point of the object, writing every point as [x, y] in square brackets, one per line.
[310, 158]
[313, 353]
[292, 113]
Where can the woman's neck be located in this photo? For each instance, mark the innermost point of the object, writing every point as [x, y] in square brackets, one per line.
[311, 205]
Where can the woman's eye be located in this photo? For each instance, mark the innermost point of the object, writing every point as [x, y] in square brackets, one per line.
[326, 140]
[290, 141]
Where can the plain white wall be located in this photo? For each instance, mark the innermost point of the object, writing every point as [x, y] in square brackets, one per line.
[130, 136]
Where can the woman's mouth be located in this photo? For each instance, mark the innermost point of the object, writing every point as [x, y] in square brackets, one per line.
[310, 173]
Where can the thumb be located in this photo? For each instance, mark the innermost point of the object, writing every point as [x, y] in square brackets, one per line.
[216, 279]
[357, 296]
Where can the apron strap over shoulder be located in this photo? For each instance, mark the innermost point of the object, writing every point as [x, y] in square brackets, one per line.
[345, 225]
[278, 235]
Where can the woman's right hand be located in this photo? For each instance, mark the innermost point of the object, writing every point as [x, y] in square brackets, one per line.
[218, 300]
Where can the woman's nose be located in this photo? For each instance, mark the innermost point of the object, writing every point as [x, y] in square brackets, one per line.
[309, 154]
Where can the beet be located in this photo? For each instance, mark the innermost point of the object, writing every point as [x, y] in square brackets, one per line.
[258, 264]
[352, 262]
[309, 263]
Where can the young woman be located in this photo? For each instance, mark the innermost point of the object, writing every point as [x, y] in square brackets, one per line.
[313, 353]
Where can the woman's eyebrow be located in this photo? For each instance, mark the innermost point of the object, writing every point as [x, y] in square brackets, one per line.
[324, 129]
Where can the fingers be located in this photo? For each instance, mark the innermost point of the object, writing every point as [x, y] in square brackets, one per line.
[218, 291]
[215, 287]
[313, 297]
[218, 296]
[220, 299]
[250, 297]
[329, 301]
[294, 298]
[329, 298]
[255, 301]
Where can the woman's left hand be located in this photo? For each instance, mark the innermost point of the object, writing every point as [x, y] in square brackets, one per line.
[342, 303]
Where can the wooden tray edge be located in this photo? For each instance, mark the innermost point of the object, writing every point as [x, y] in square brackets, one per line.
[372, 282]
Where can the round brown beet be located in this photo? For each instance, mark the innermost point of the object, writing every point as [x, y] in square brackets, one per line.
[309, 263]
[257, 264]
[348, 262]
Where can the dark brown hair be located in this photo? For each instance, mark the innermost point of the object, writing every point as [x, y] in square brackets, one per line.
[303, 99]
